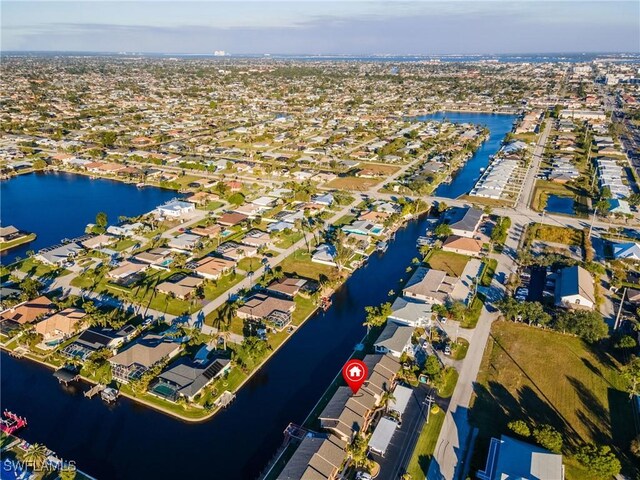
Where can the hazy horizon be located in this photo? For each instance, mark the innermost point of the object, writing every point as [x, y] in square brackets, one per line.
[420, 28]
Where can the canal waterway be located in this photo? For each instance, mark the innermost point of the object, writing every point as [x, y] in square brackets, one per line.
[466, 177]
[60, 205]
[130, 441]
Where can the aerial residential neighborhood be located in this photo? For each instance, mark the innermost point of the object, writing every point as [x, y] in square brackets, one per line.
[327, 262]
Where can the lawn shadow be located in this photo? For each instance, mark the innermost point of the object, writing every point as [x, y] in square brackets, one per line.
[625, 424]
[594, 410]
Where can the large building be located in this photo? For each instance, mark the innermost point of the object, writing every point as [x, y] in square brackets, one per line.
[512, 459]
[574, 288]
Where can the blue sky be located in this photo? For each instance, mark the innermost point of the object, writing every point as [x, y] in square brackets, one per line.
[327, 27]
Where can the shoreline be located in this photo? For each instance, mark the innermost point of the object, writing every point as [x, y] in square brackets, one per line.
[210, 414]
[7, 246]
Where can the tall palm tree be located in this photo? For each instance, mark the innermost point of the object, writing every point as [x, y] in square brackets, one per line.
[36, 455]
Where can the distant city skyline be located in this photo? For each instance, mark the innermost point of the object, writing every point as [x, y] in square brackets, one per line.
[316, 28]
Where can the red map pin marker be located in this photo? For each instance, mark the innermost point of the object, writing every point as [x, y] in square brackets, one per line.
[354, 373]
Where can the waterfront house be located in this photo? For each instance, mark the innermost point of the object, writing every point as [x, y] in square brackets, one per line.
[286, 287]
[125, 230]
[60, 255]
[348, 413]
[382, 372]
[364, 227]
[574, 288]
[180, 286]
[132, 362]
[429, 285]
[175, 209]
[462, 245]
[29, 311]
[261, 306]
[316, 458]
[9, 233]
[394, 339]
[212, 268]
[510, 458]
[60, 326]
[465, 287]
[325, 254]
[95, 338]
[414, 313]
[97, 241]
[186, 378]
[464, 221]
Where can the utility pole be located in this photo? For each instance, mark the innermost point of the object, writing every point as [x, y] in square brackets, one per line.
[428, 402]
[617, 322]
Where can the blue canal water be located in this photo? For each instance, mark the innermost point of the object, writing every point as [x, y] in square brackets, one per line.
[129, 441]
[560, 204]
[466, 177]
[60, 205]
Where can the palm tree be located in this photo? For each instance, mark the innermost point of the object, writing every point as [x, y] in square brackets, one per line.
[36, 455]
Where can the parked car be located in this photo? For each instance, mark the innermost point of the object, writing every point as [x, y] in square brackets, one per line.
[363, 476]
[447, 350]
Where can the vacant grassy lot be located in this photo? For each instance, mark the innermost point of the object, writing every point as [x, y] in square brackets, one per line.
[550, 233]
[354, 183]
[545, 377]
[452, 263]
[300, 264]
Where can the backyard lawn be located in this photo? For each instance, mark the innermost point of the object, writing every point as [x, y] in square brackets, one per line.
[546, 377]
[452, 263]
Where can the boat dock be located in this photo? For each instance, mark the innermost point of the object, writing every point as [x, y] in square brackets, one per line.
[66, 376]
[225, 399]
[97, 388]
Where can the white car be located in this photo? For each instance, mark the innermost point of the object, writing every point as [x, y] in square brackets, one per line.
[363, 476]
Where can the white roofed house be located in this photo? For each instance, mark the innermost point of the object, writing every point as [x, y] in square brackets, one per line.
[464, 221]
[175, 209]
[626, 251]
[60, 255]
[407, 311]
[184, 242]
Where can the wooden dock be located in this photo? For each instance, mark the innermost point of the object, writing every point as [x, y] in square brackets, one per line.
[94, 390]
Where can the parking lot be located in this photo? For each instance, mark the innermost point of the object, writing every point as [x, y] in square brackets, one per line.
[536, 284]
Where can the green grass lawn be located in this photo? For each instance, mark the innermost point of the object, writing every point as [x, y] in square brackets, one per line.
[488, 272]
[450, 380]
[472, 314]
[425, 446]
[285, 241]
[304, 307]
[450, 262]
[249, 264]
[300, 264]
[345, 220]
[546, 377]
[124, 244]
[459, 349]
